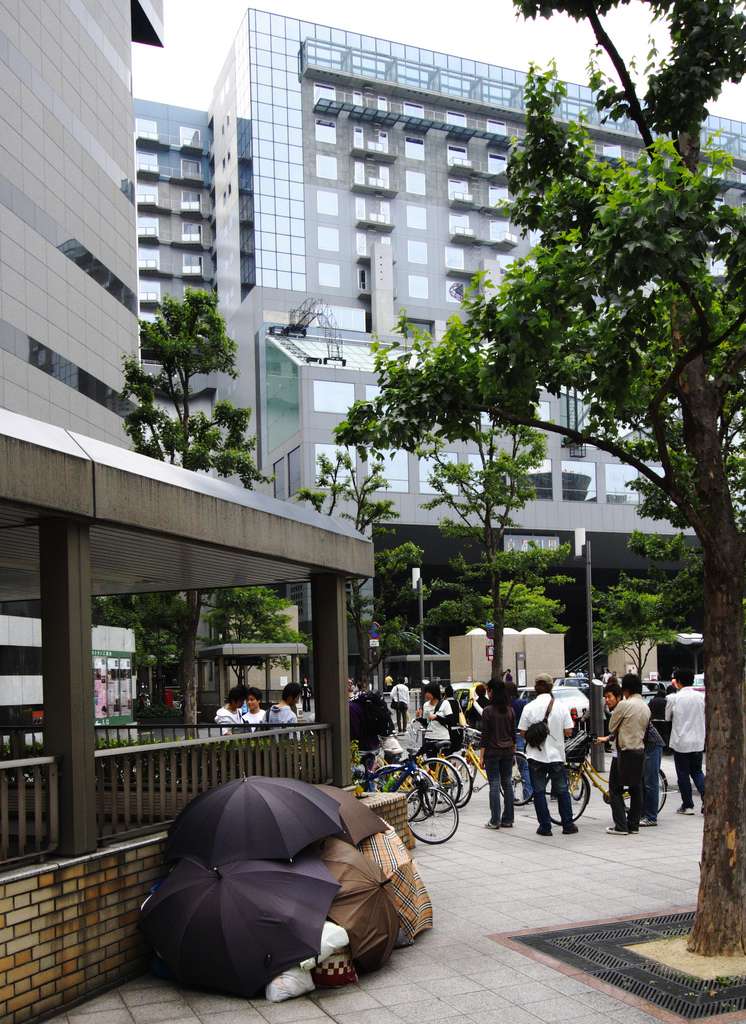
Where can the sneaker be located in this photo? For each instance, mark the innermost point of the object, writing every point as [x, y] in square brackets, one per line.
[506, 824]
[684, 810]
[488, 824]
[634, 831]
[570, 830]
[648, 823]
[543, 831]
[612, 830]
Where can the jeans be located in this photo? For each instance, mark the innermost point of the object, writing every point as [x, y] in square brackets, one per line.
[626, 820]
[689, 766]
[402, 718]
[528, 789]
[500, 776]
[651, 781]
[541, 773]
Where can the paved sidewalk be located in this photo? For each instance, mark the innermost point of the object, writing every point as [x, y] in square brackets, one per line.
[481, 882]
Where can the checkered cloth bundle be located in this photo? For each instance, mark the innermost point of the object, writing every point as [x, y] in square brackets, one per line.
[337, 970]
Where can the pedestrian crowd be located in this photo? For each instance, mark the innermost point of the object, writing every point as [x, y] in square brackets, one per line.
[244, 707]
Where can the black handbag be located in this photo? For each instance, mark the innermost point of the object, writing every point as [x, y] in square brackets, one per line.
[537, 732]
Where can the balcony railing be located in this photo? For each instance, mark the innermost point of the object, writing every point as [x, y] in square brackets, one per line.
[29, 803]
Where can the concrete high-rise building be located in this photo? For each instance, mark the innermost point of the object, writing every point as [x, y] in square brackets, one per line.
[68, 272]
[369, 177]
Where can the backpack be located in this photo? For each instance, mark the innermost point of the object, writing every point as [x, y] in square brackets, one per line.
[376, 716]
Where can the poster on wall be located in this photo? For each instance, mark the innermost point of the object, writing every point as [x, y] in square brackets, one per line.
[99, 688]
[125, 685]
[112, 686]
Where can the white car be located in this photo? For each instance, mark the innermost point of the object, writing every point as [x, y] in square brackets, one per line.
[577, 702]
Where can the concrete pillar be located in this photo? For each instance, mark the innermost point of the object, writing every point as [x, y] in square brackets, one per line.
[268, 676]
[329, 611]
[222, 693]
[67, 669]
[382, 314]
[294, 674]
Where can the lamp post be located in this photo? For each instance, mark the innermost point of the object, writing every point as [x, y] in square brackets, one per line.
[417, 585]
[595, 691]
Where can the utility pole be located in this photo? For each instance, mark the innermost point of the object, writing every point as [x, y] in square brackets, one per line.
[417, 585]
[595, 692]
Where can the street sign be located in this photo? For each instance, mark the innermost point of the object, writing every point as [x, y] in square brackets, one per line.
[490, 651]
[374, 642]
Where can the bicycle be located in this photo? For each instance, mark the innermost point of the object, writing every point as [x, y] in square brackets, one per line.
[581, 775]
[469, 757]
[431, 812]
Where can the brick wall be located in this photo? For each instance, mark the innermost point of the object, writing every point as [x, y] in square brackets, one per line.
[69, 930]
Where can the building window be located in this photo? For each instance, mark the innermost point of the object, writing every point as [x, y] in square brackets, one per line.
[458, 156]
[578, 481]
[396, 471]
[326, 166]
[147, 162]
[455, 291]
[414, 149]
[190, 137]
[454, 258]
[323, 92]
[150, 291]
[427, 467]
[499, 229]
[458, 223]
[328, 238]
[415, 181]
[191, 233]
[331, 451]
[191, 265]
[544, 410]
[147, 227]
[361, 243]
[457, 189]
[362, 280]
[357, 99]
[294, 472]
[329, 275]
[417, 217]
[412, 109]
[191, 169]
[418, 287]
[326, 131]
[146, 129]
[617, 479]
[147, 196]
[417, 252]
[372, 391]
[190, 201]
[497, 127]
[498, 194]
[333, 396]
[148, 259]
[611, 152]
[382, 103]
[496, 163]
[454, 117]
[327, 203]
[541, 478]
[280, 481]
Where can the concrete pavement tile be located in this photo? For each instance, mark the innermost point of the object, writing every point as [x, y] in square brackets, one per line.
[600, 1001]
[380, 1015]
[347, 999]
[527, 992]
[453, 986]
[473, 1002]
[509, 1014]
[425, 1011]
[164, 992]
[108, 1001]
[155, 1013]
[556, 1009]
[290, 1011]
[568, 986]
[393, 995]
[117, 1016]
[204, 1003]
[248, 1015]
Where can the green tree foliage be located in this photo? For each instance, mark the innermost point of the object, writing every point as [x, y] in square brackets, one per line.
[524, 606]
[633, 616]
[186, 343]
[248, 615]
[343, 491]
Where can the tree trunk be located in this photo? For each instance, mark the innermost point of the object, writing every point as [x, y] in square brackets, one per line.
[498, 620]
[720, 922]
[188, 656]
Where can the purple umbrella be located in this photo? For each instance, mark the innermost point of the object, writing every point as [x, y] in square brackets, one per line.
[236, 927]
[255, 818]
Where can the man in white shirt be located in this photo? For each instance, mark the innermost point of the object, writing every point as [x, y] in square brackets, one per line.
[685, 710]
[230, 713]
[400, 704]
[547, 762]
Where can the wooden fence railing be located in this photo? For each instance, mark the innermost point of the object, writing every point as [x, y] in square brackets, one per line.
[29, 823]
[140, 789]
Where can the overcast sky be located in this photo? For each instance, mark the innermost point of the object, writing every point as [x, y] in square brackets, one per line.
[198, 36]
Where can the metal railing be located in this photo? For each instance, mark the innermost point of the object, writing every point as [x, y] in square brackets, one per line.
[142, 788]
[29, 822]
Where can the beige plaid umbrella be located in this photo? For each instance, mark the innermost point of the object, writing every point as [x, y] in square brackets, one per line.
[408, 891]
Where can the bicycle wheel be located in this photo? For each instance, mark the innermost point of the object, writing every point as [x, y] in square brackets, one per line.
[662, 789]
[432, 814]
[444, 775]
[521, 792]
[578, 803]
[467, 783]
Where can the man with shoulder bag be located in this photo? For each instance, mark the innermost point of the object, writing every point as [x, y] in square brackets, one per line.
[544, 724]
[628, 725]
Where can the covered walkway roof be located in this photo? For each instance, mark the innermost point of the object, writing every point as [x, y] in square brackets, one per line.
[153, 526]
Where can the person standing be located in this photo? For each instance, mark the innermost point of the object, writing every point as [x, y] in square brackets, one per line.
[518, 703]
[306, 694]
[255, 714]
[545, 750]
[651, 775]
[230, 713]
[685, 710]
[478, 703]
[284, 713]
[400, 704]
[496, 754]
[627, 725]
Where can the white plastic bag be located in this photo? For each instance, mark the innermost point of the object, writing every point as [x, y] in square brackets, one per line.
[291, 983]
[333, 939]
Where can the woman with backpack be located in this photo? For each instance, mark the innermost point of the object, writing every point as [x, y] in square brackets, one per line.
[496, 754]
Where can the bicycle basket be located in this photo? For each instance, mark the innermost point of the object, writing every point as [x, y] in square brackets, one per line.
[473, 736]
[577, 747]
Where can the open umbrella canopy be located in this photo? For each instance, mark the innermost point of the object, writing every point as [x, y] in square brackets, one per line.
[362, 906]
[253, 818]
[358, 821]
[411, 898]
[236, 927]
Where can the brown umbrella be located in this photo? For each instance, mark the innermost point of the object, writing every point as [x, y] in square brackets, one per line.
[411, 898]
[363, 906]
[357, 819]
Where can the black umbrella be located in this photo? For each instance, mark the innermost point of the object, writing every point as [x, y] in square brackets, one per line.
[236, 927]
[253, 818]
